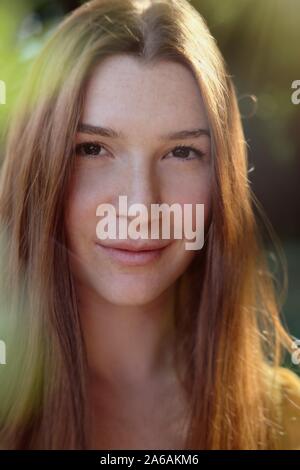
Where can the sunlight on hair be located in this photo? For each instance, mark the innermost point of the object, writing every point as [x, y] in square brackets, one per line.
[22, 352]
[143, 4]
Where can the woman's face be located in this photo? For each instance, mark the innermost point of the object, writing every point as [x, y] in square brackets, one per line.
[142, 104]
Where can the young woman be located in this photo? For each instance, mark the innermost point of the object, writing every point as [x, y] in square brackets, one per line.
[109, 347]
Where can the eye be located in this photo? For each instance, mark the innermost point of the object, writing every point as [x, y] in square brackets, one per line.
[182, 152]
[88, 149]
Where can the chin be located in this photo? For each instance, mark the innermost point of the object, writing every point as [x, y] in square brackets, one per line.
[130, 295]
[128, 300]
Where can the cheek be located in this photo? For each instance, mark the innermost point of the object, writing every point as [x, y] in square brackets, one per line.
[193, 190]
[88, 188]
[80, 212]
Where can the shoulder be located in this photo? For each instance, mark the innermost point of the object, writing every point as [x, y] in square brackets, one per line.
[286, 397]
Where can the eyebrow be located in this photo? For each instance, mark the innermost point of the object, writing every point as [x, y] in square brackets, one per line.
[108, 132]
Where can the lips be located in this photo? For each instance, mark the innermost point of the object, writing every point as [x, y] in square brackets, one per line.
[133, 253]
[135, 246]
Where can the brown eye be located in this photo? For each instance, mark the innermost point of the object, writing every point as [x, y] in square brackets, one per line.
[184, 152]
[88, 149]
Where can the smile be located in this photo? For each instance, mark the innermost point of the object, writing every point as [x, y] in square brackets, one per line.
[133, 255]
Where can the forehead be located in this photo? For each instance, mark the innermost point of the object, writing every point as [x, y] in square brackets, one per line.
[129, 95]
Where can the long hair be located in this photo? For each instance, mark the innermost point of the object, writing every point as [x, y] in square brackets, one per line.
[227, 312]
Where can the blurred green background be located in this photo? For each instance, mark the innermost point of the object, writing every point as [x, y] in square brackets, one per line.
[260, 40]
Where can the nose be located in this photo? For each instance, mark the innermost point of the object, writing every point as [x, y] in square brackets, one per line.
[141, 185]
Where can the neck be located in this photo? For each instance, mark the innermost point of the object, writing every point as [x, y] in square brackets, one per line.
[127, 344]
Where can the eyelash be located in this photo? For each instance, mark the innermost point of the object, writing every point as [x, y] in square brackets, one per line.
[80, 147]
[198, 152]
